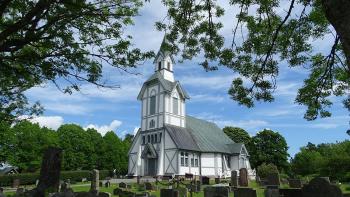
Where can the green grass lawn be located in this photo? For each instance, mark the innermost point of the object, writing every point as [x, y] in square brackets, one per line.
[260, 191]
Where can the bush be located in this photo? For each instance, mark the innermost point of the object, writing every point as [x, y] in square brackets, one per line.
[266, 169]
[30, 178]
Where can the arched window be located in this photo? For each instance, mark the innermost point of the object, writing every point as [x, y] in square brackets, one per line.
[175, 106]
[152, 124]
[159, 65]
[152, 105]
[168, 65]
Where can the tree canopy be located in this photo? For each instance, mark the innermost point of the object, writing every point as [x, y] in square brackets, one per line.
[70, 41]
[269, 147]
[237, 134]
[24, 144]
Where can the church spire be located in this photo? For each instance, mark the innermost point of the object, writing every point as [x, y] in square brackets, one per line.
[164, 61]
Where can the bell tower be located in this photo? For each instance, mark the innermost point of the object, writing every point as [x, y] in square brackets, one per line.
[163, 62]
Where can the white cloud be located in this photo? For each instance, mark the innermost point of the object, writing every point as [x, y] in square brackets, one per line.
[103, 129]
[52, 122]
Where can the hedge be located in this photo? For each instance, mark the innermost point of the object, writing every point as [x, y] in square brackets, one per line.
[30, 178]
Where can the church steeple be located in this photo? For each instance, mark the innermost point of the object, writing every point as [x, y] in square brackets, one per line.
[163, 62]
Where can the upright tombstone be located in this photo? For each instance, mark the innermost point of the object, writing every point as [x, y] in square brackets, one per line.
[273, 179]
[205, 180]
[122, 185]
[234, 181]
[50, 172]
[169, 193]
[272, 191]
[320, 187]
[95, 181]
[244, 192]
[107, 184]
[216, 191]
[243, 177]
[16, 183]
[295, 183]
[290, 192]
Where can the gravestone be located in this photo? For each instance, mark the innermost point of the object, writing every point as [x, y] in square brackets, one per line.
[272, 191]
[49, 178]
[107, 184]
[234, 181]
[149, 186]
[244, 192]
[169, 193]
[95, 180]
[122, 185]
[290, 192]
[182, 192]
[117, 191]
[217, 180]
[198, 186]
[138, 178]
[243, 177]
[295, 183]
[205, 180]
[273, 179]
[16, 183]
[216, 191]
[320, 187]
[188, 176]
[104, 194]
[127, 194]
[65, 186]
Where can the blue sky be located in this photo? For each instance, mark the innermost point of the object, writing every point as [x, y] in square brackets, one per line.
[119, 110]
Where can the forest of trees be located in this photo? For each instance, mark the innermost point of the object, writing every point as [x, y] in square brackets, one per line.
[23, 144]
[268, 149]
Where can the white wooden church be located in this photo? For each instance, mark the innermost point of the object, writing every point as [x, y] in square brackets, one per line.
[171, 143]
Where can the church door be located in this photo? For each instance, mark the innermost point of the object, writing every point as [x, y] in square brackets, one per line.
[152, 167]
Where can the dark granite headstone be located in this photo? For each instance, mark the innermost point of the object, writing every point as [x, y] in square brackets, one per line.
[16, 183]
[271, 192]
[243, 177]
[205, 180]
[122, 185]
[117, 191]
[244, 192]
[320, 187]
[290, 192]
[234, 180]
[169, 193]
[295, 183]
[188, 176]
[273, 179]
[216, 191]
[149, 186]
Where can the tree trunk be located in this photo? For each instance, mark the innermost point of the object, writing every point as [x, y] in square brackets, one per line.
[338, 14]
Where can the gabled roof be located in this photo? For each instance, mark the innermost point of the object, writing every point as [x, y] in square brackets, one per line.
[167, 85]
[149, 152]
[203, 136]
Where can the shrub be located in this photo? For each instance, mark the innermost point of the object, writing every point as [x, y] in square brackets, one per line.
[266, 169]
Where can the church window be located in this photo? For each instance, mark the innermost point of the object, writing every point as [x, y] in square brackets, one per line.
[151, 124]
[186, 159]
[168, 65]
[155, 138]
[192, 162]
[175, 105]
[227, 158]
[160, 137]
[153, 105]
[182, 159]
[196, 162]
[159, 65]
[152, 139]
[143, 139]
[148, 139]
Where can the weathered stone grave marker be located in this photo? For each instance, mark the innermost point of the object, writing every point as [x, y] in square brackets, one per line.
[320, 187]
[216, 191]
[243, 177]
[95, 180]
[205, 180]
[169, 193]
[234, 181]
[122, 185]
[244, 192]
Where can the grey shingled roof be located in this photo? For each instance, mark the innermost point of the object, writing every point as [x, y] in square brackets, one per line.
[203, 136]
